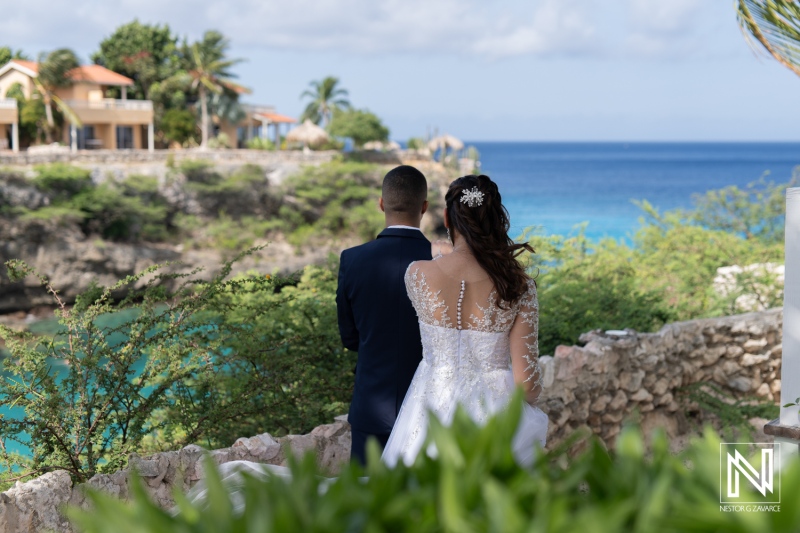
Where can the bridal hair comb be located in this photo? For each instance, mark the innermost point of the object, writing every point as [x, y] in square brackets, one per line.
[472, 197]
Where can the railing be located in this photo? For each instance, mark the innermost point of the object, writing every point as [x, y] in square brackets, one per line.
[111, 104]
[258, 109]
[8, 103]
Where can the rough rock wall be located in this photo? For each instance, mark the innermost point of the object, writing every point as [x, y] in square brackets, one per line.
[612, 377]
[36, 505]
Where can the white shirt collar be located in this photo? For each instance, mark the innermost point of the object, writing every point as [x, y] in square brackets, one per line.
[402, 227]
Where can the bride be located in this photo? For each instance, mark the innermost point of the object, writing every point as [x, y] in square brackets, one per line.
[478, 318]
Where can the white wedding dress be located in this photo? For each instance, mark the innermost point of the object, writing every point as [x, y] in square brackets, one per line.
[472, 350]
[473, 357]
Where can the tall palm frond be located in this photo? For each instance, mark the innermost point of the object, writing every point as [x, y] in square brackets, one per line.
[775, 24]
[54, 74]
[209, 71]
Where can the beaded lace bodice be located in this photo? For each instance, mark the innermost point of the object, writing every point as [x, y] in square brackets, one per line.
[480, 336]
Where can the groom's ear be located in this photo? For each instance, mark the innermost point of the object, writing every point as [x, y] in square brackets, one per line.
[380, 204]
[424, 207]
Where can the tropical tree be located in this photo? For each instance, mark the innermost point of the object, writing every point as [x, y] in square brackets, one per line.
[54, 69]
[208, 70]
[775, 25]
[145, 53]
[326, 96]
[7, 54]
[359, 125]
[32, 121]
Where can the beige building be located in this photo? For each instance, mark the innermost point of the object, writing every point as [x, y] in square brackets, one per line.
[106, 123]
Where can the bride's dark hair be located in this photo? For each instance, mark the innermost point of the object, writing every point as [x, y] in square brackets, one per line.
[485, 229]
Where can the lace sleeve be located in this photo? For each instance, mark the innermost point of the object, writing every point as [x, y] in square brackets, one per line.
[524, 340]
[428, 304]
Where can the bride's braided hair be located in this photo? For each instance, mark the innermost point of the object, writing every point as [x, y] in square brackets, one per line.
[485, 229]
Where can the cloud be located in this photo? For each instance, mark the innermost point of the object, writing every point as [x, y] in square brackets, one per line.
[465, 27]
[663, 27]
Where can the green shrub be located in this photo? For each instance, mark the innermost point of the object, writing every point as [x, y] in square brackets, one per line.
[359, 125]
[260, 143]
[290, 348]
[180, 126]
[415, 143]
[62, 180]
[199, 171]
[207, 361]
[473, 485]
[330, 200]
[667, 272]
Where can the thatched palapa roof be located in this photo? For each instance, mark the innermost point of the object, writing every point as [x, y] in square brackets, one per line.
[307, 133]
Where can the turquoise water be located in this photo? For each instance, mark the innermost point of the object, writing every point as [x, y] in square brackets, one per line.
[556, 186]
[51, 327]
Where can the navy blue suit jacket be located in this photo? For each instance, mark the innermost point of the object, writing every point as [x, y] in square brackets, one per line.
[377, 320]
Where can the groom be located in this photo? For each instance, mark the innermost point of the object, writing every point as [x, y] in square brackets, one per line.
[376, 318]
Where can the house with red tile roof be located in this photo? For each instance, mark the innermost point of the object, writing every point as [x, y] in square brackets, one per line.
[106, 123]
[256, 123]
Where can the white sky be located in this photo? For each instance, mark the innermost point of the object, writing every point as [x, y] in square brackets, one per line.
[634, 70]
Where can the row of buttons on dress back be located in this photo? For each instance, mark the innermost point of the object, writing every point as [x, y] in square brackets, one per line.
[458, 308]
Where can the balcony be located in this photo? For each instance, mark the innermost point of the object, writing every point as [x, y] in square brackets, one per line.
[8, 113]
[110, 111]
[112, 105]
[258, 109]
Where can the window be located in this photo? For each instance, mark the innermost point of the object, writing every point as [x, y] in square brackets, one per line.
[86, 139]
[124, 137]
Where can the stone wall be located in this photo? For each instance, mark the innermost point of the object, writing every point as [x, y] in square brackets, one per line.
[612, 377]
[36, 505]
[106, 157]
[617, 375]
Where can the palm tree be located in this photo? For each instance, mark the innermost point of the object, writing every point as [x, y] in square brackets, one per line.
[775, 24]
[325, 97]
[53, 74]
[209, 70]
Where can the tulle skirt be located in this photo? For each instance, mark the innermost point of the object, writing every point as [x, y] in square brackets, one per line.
[439, 390]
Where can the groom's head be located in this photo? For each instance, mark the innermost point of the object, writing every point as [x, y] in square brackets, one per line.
[404, 196]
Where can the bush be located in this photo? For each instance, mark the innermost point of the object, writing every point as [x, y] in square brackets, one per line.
[359, 125]
[260, 143]
[473, 485]
[129, 211]
[179, 126]
[220, 141]
[292, 344]
[62, 180]
[415, 143]
[666, 274]
[206, 362]
[331, 200]
[200, 171]
[245, 193]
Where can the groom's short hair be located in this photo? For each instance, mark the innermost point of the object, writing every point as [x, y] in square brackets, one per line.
[404, 190]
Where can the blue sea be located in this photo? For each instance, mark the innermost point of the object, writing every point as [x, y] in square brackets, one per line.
[555, 186]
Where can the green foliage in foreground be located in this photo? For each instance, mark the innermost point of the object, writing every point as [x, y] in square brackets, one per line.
[203, 362]
[667, 272]
[473, 486]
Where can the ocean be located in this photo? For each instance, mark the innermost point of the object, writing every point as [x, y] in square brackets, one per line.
[555, 186]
